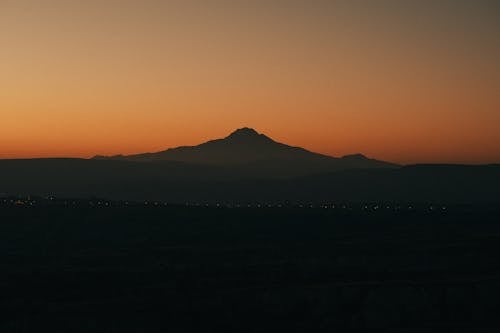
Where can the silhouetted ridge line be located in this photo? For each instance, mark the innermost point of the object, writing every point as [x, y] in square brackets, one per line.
[244, 132]
[355, 157]
[247, 147]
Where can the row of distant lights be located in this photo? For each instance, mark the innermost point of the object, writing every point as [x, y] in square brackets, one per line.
[219, 205]
[19, 202]
[397, 208]
[324, 206]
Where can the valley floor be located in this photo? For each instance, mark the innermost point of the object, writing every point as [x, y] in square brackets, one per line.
[197, 269]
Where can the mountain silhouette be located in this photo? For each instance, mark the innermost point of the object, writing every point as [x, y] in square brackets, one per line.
[246, 148]
[247, 166]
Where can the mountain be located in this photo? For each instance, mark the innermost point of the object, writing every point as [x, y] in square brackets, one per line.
[246, 149]
[248, 167]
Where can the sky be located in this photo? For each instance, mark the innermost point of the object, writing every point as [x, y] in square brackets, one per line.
[403, 81]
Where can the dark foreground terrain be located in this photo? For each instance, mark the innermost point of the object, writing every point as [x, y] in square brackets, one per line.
[196, 269]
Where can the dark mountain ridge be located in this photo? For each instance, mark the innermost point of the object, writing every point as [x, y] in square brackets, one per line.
[248, 166]
[246, 146]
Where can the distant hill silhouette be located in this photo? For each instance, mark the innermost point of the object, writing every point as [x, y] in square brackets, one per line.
[181, 182]
[248, 166]
[247, 146]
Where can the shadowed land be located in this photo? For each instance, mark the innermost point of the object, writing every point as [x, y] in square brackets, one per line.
[187, 269]
[247, 166]
[244, 234]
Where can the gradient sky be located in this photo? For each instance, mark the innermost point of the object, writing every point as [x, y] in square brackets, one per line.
[405, 81]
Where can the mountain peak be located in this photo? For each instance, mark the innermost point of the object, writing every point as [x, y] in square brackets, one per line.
[247, 135]
[244, 132]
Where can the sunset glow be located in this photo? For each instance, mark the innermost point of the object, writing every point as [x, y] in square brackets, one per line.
[408, 82]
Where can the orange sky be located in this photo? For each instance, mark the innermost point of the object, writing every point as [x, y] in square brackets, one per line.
[395, 80]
